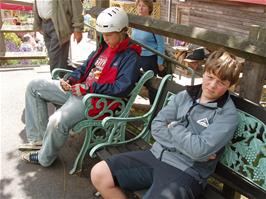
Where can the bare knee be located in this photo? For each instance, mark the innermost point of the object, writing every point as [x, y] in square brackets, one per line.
[101, 176]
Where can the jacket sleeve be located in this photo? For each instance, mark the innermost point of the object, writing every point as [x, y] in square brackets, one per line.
[37, 24]
[77, 17]
[76, 75]
[197, 146]
[160, 124]
[127, 76]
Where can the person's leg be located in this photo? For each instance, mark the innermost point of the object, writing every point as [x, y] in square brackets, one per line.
[149, 63]
[126, 171]
[58, 127]
[103, 181]
[57, 53]
[38, 93]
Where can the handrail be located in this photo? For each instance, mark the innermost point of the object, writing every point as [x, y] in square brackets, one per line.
[242, 47]
[16, 28]
[169, 59]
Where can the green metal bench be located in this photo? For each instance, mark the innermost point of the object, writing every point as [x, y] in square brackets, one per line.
[242, 168]
[95, 132]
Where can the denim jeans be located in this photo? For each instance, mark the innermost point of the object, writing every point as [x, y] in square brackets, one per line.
[53, 131]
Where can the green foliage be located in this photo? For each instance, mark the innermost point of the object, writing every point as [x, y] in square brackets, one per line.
[39, 61]
[13, 62]
[86, 5]
[13, 38]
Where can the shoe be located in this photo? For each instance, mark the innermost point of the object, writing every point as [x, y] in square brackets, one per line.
[31, 157]
[34, 145]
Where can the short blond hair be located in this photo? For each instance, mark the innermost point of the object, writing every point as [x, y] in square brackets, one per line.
[224, 65]
[148, 3]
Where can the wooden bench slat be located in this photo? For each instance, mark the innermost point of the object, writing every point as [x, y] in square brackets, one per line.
[103, 154]
[122, 148]
[211, 193]
[113, 150]
[142, 145]
[132, 147]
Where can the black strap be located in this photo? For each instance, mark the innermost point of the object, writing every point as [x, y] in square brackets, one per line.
[154, 37]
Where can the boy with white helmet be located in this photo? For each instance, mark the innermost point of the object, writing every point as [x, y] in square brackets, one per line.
[110, 70]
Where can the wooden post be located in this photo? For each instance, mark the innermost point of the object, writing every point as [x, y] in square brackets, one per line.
[2, 41]
[102, 3]
[254, 74]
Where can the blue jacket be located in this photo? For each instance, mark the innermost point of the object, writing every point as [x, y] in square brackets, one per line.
[149, 39]
[187, 132]
[119, 77]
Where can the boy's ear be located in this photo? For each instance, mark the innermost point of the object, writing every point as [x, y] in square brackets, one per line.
[232, 88]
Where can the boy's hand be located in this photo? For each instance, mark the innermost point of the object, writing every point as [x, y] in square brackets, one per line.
[212, 157]
[160, 67]
[65, 85]
[79, 89]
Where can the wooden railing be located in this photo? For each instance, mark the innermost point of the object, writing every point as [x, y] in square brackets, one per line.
[252, 50]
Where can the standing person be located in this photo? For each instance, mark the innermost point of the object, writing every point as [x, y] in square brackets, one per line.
[57, 20]
[149, 60]
[111, 70]
[190, 134]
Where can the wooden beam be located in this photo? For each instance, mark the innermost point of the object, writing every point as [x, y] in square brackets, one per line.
[19, 2]
[2, 39]
[250, 50]
[16, 28]
[102, 3]
[254, 74]
[22, 55]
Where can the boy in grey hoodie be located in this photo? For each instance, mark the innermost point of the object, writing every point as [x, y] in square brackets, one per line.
[190, 134]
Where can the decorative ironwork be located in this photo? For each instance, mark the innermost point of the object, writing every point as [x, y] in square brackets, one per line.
[246, 153]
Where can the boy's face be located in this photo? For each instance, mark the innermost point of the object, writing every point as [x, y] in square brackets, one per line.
[112, 38]
[213, 87]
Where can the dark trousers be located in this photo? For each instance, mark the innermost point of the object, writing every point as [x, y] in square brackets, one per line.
[58, 54]
[149, 63]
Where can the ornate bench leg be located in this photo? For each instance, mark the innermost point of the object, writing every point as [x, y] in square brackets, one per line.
[77, 167]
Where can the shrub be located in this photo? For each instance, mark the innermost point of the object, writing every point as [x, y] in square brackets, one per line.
[12, 42]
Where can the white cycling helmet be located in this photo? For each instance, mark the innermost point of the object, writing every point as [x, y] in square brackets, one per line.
[112, 19]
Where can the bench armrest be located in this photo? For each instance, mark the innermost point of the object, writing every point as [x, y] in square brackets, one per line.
[58, 71]
[116, 125]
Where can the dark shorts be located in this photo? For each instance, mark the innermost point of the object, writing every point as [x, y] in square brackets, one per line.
[141, 170]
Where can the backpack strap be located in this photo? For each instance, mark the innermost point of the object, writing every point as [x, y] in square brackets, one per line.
[154, 37]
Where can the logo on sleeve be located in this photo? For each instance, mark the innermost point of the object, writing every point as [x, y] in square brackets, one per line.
[203, 122]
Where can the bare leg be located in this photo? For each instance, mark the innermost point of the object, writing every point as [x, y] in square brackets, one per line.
[102, 180]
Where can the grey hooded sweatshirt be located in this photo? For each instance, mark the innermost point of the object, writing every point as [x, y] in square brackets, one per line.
[187, 133]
